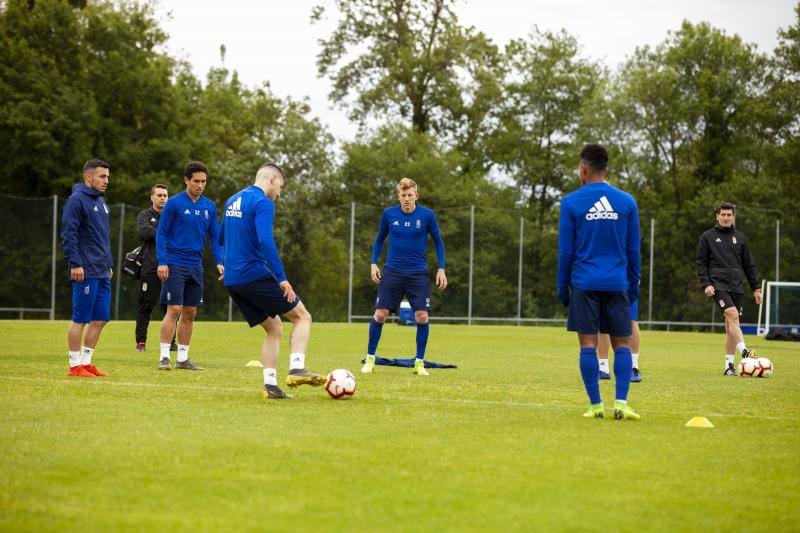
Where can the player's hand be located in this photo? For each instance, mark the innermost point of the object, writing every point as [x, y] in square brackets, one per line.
[710, 291]
[163, 272]
[288, 291]
[110, 273]
[441, 279]
[221, 270]
[563, 296]
[76, 274]
[757, 296]
[375, 273]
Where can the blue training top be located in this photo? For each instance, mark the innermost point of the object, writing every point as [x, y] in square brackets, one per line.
[598, 239]
[408, 238]
[246, 238]
[182, 230]
[86, 232]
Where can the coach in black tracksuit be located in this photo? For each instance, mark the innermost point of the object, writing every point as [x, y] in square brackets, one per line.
[149, 284]
[723, 260]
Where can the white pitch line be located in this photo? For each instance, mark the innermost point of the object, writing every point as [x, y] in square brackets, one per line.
[461, 401]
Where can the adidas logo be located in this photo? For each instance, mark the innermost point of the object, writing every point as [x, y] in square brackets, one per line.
[602, 210]
[396, 223]
[235, 209]
[95, 208]
[187, 212]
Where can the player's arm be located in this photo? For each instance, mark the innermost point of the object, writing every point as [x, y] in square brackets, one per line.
[383, 232]
[70, 224]
[147, 232]
[750, 270]
[436, 235]
[164, 224]
[702, 267]
[633, 251]
[213, 236]
[265, 215]
[566, 252]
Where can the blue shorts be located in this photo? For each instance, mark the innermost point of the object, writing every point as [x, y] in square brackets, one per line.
[91, 300]
[394, 284]
[603, 311]
[184, 286]
[635, 310]
[260, 300]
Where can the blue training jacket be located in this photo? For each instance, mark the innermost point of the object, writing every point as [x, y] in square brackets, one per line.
[408, 239]
[182, 230]
[598, 239]
[248, 245]
[86, 232]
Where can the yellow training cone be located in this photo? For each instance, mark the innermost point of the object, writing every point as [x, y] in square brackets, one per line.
[254, 364]
[699, 422]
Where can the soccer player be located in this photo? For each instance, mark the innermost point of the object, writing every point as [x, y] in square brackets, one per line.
[598, 261]
[86, 242]
[723, 255]
[406, 272]
[186, 220]
[149, 283]
[604, 344]
[256, 281]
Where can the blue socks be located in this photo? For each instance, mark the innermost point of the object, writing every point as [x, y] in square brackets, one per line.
[374, 336]
[623, 369]
[422, 339]
[590, 370]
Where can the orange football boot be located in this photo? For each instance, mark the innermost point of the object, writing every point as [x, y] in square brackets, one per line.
[80, 372]
[94, 371]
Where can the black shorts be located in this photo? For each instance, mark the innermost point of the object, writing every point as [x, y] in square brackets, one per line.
[599, 311]
[260, 300]
[727, 299]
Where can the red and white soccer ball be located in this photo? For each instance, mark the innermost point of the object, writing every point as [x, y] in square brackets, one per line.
[341, 384]
[755, 368]
[766, 367]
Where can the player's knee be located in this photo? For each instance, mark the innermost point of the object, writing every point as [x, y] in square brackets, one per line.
[421, 317]
[99, 323]
[381, 315]
[188, 314]
[732, 316]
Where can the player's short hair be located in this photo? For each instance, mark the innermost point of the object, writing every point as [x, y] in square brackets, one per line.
[405, 184]
[194, 166]
[596, 156]
[726, 206]
[95, 163]
[270, 168]
[158, 186]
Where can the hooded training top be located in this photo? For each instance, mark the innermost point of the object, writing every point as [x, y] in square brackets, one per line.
[408, 239]
[598, 239]
[722, 255]
[246, 238]
[182, 230]
[86, 232]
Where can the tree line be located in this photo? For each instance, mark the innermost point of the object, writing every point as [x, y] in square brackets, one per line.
[700, 118]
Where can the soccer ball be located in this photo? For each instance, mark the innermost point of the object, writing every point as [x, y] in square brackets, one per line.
[749, 368]
[766, 367]
[341, 384]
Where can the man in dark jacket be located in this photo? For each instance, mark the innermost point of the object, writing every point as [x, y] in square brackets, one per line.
[149, 283]
[86, 242]
[723, 259]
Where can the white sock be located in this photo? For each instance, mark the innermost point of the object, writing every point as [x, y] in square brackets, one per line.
[729, 360]
[74, 359]
[183, 352]
[741, 347]
[164, 350]
[297, 361]
[86, 355]
[270, 376]
[635, 360]
[603, 365]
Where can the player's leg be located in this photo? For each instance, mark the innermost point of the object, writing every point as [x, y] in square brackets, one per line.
[390, 294]
[615, 319]
[185, 329]
[733, 333]
[273, 330]
[298, 344]
[582, 318]
[82, 304]
[636, 375]
[603, 348]
[417, 287]
[423, 329]
[149, 289]
[101, 314]
[167, 332]
[375, 329]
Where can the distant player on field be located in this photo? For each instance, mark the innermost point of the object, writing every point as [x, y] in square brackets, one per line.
[598, 272]
[406, 271]
[256, 281]
[604, 345]
[86, 242]
[186, 220]
[722, 256]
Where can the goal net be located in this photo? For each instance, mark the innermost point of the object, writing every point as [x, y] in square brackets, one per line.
[779, 312]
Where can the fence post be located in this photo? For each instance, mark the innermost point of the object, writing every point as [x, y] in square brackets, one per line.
[119, 261]
[53, 260]
[350, 278]
[230, 309]
[650, 281]
[777, 265]
[519, 272]
[471, 254]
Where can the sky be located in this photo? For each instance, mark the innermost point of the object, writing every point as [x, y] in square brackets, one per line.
[274, 40]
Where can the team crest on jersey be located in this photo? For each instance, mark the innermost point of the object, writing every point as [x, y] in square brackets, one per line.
[733, 239]
[144, 287]
[419, 224]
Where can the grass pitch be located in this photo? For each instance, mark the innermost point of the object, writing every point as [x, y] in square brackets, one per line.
[498, 444]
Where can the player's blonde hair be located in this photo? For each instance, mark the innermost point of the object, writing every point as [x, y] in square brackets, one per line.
[406, 183]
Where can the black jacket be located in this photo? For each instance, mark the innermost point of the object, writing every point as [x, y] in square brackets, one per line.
[724, 258]
[147, 222]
